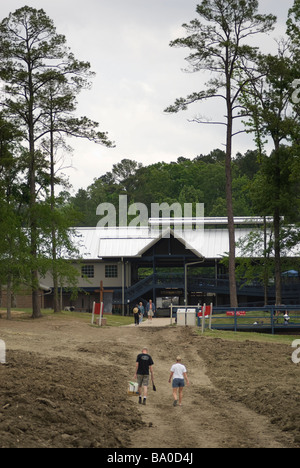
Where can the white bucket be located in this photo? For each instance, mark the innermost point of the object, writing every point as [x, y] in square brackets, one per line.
[133, 387]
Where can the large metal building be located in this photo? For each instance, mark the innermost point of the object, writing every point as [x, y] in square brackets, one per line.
[169, 261]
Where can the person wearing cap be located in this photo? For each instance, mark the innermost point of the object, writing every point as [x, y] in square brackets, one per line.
[179, 376]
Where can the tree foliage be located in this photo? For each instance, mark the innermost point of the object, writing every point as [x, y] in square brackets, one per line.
[218, 40]
[41, 79]
[201, 180]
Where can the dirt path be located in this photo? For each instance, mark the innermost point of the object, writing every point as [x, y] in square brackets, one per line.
[209, 416]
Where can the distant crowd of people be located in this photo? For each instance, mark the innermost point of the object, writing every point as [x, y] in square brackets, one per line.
[139, 312]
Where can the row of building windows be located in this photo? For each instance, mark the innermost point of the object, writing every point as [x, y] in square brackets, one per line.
[88, 271]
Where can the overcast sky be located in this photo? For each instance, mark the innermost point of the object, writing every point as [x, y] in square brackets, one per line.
[137, 76]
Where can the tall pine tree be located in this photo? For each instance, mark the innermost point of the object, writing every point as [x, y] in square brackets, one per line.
[34, 57]
[218, 44]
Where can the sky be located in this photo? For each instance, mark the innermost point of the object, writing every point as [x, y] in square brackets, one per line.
[138, 75]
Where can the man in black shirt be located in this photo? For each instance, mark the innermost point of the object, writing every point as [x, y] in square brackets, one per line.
[144, 364]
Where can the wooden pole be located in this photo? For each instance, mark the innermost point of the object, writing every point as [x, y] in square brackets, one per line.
[101, 302]
[203, 317]
[93, 312]
[210, 317]
[101, 291]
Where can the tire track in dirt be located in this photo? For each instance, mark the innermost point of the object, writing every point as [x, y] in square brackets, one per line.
[208, 417]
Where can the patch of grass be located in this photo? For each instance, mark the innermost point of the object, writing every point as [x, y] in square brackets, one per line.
[25, 314]
[253, 316]
[115, 320]
[248, 336]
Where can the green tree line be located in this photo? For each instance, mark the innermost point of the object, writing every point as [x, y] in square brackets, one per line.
[201, 180]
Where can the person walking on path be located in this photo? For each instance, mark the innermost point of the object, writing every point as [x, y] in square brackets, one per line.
[144, 367]
[179, 376]
[142, 311]
[136, 314]
[150, 310]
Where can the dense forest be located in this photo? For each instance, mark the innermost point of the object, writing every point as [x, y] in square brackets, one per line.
[201, 180]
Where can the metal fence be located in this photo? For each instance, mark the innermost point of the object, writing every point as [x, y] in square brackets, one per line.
[268, 319]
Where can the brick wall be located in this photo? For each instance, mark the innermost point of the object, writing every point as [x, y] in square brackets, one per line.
[22, 299]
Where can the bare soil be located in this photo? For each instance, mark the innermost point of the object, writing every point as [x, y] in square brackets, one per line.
[65, 385]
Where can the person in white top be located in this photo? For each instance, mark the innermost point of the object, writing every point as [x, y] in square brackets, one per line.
[179, 376]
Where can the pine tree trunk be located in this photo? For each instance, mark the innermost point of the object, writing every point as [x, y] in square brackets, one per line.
[277, 247]
[36, 306]
[8, 297]
[230, 215]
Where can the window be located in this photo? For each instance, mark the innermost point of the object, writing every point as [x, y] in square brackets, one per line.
[87, 271]
[111, 271]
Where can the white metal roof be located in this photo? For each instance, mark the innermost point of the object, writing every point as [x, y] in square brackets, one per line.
[242, 220]
[95, 243]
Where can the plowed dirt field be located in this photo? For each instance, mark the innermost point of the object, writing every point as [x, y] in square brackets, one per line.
[65, 385]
